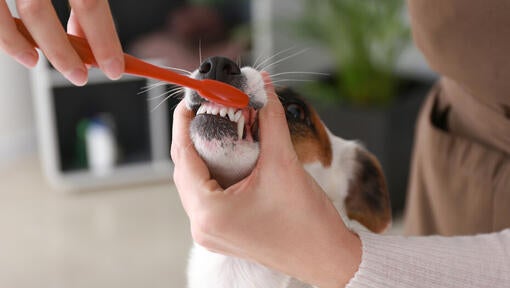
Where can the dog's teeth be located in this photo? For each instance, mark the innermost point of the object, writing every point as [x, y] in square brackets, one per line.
[238, 115]
[231, 114]
[215, 110]
[223, 112]
[240, 127]
[201, 110]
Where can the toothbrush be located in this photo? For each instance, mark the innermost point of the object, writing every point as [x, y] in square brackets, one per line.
[212, 90]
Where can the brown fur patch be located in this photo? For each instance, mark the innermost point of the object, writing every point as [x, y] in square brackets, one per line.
[309, 136]
[313, 144]
[368, 201]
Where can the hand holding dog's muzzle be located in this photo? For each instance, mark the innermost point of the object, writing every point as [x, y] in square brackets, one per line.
[277, 216]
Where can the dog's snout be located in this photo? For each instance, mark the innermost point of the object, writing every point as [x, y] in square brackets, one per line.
[219, 68]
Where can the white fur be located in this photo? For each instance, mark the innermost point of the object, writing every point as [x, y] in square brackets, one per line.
[210, 270]
[334, 180]
[227, 166]
[254, 85]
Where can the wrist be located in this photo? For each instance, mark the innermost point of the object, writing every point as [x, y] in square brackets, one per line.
[344, 263]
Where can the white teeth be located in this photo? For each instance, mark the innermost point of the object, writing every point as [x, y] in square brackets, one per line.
[238, 115]
[231, 113]
[240, 127]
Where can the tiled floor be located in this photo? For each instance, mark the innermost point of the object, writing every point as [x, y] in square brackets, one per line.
[130, 237]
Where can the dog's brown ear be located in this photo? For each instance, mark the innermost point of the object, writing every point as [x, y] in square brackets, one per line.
[368, 201]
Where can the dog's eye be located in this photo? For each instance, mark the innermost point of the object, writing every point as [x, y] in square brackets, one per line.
[295, 111]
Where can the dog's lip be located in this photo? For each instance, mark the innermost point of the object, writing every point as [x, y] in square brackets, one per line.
[250, 117]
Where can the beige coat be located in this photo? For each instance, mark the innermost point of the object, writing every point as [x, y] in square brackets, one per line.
[460, 178]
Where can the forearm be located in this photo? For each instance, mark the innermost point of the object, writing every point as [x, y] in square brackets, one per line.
[471, 261]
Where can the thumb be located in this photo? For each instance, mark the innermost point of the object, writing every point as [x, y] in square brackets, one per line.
[188, 164]
[273, 128]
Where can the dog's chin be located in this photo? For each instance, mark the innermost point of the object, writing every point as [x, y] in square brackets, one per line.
[229, 156]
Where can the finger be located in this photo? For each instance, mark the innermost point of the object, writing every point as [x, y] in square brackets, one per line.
[186, 159]
[97, 24]
[12, 42]
[42, 22]
[274, 130]
[191, 175]
[73, 26]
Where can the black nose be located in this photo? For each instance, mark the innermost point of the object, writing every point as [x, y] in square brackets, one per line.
[219, 68]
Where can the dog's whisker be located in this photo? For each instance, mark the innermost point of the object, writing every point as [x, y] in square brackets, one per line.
[239, 61]
[284, 58]
[292, 80]
[164, 100]
[256, 60]
[257, 66]
[176, 92]
[167, 94]
[300, 73]
[164, 94]
[174, 106]
[151, 86]
[177, 89]
[199, 51]
[186, 72]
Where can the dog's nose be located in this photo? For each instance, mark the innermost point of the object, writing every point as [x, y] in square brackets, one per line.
[219, 68]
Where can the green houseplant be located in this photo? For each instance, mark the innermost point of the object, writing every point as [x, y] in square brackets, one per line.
[365, 38]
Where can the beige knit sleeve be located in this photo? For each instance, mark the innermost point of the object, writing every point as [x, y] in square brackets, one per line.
[434, 261]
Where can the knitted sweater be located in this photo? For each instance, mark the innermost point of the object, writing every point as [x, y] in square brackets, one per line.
[434, 261]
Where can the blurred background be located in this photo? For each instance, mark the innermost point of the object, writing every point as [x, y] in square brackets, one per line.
[86, 198]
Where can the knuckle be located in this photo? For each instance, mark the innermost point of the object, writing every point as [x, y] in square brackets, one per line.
[29, 8]
[85, 5]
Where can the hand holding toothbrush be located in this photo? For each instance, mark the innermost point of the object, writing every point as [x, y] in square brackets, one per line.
[89, 19]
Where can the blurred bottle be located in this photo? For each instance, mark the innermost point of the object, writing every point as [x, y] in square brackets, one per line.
[101, 145]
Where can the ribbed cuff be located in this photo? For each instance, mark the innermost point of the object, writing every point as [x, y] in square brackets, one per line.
[396, 261]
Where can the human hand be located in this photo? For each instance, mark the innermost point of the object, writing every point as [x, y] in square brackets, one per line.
[88, 19]
[278, 216]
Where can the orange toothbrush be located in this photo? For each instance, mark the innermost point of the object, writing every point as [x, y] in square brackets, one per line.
[212, 90]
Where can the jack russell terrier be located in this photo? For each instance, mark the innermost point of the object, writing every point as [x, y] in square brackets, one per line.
[227, 139]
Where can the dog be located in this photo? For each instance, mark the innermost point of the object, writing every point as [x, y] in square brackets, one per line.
[227, 140]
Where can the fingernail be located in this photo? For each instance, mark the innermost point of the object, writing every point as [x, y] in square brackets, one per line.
[78, 76]
[113, 68]
[27, 58]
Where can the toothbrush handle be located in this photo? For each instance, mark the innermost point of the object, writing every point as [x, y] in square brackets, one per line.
[138, 67]
[213, 90]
